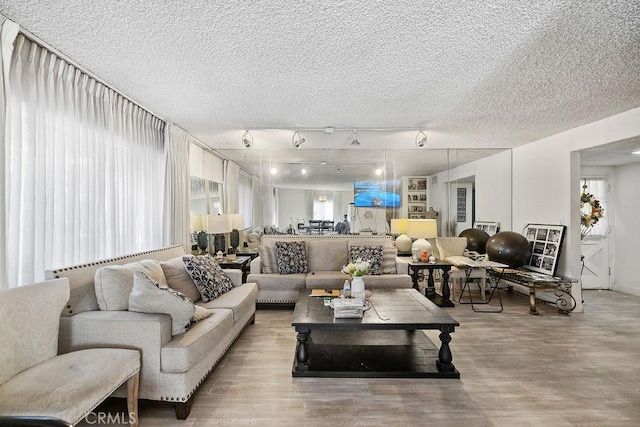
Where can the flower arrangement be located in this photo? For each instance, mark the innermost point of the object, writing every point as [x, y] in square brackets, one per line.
[590, 213]
[357, 269]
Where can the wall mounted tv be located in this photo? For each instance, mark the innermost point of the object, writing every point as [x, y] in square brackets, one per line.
[377, 193]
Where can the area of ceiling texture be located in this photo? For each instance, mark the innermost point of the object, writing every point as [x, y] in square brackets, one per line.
[472, 74]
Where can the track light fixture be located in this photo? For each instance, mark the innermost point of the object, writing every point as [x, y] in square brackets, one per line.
[247, 140]
[297, 140]
[355, 141]
[421, 139]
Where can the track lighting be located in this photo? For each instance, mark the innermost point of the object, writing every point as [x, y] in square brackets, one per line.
[421, 139]
[297, 140]
[247, 140]
[355, 141]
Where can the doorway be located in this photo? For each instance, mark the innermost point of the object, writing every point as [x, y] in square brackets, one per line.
[596, 239]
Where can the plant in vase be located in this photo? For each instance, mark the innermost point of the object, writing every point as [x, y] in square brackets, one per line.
[356, 270]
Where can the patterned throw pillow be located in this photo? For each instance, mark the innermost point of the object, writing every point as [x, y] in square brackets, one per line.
[149, 296]
[291, 257]
[388, 265]
[373, 254]
[208, 276]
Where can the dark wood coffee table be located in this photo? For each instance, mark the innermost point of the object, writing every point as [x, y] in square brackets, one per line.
[386, 342]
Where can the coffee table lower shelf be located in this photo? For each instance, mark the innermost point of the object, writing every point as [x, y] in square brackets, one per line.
[370, 354]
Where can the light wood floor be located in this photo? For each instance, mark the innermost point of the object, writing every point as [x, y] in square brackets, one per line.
[516, 370]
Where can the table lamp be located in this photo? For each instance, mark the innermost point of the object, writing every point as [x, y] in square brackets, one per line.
[198, 227]
[237, 223]
[421, 229]
[218, 225]
[403, 242]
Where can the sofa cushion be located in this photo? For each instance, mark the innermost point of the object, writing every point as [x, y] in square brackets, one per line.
[292, 257]
[278, 282]
[241, 299]
[179, 279]
[70, 385]
[326, 279]
[268, 259]
[148, 296]
[388, 265]
[208, 276]
[113, 283]
[372, 254]
[187, 350]
[327, 255]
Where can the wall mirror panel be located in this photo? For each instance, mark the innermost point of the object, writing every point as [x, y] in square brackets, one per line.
[320, 184]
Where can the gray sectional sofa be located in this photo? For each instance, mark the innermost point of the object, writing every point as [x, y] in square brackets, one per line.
[172, 367]
[326, 255]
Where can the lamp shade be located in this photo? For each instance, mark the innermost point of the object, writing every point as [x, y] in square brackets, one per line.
[197, 223]
[237, 221]
[399, 226]
[219, 224]
[422, 228]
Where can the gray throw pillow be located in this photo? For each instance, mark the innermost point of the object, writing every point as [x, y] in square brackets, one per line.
[292, 257]
[268, 259]
[178, 278]
[148, 296]
[208, 276]
[372, 254]
[388, 265]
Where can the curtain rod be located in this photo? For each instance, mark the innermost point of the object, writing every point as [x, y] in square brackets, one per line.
[29, 35]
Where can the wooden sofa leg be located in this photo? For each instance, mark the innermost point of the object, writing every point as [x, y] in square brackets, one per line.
[183, 409]
[132, 398]
[253, 319]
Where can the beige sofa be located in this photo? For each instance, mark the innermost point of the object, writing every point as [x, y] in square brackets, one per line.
[40, 386]
[326, 256]
[172, 366]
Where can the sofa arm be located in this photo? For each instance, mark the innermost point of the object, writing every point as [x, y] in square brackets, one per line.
[256, 266]
[402, 266]
[235, 275]
[121, 329]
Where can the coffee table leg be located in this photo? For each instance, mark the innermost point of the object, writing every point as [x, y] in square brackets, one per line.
[302, 354]
[444, 355]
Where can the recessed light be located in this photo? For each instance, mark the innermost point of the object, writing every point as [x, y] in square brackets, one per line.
[636, 152]
[274, 170]
[303, 171]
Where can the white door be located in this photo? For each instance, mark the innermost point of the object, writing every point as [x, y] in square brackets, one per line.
[596, 270]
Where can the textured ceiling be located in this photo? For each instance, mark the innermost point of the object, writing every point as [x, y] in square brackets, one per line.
[487, 74]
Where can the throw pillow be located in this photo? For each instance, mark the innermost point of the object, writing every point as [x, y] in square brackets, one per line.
[459, 260]
[201, 313]
[291, 257]
[372, 254]
[208, 276]
[388, 265]
[113, 283]
[148, 296]
[178, 278]
[268, 259]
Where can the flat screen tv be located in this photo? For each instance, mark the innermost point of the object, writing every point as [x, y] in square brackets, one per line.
[377, 193]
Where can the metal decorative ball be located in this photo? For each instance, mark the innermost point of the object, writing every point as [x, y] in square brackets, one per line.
[476, 239]
[509, 248]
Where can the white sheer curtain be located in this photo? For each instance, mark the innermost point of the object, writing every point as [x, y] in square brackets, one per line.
[85, 168]
[231, 177]
[177, 194]
[245, 198]
[8, 33]
[598, 186]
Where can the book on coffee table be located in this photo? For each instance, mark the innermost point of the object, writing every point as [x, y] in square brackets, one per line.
[325, 293]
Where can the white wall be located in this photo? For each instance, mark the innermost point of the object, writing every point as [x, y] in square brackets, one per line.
[626, 233]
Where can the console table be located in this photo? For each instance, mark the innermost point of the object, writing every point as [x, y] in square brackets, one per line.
[561, 286]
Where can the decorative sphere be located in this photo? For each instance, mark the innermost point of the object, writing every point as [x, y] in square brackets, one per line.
[476, 239]
[509, 248]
